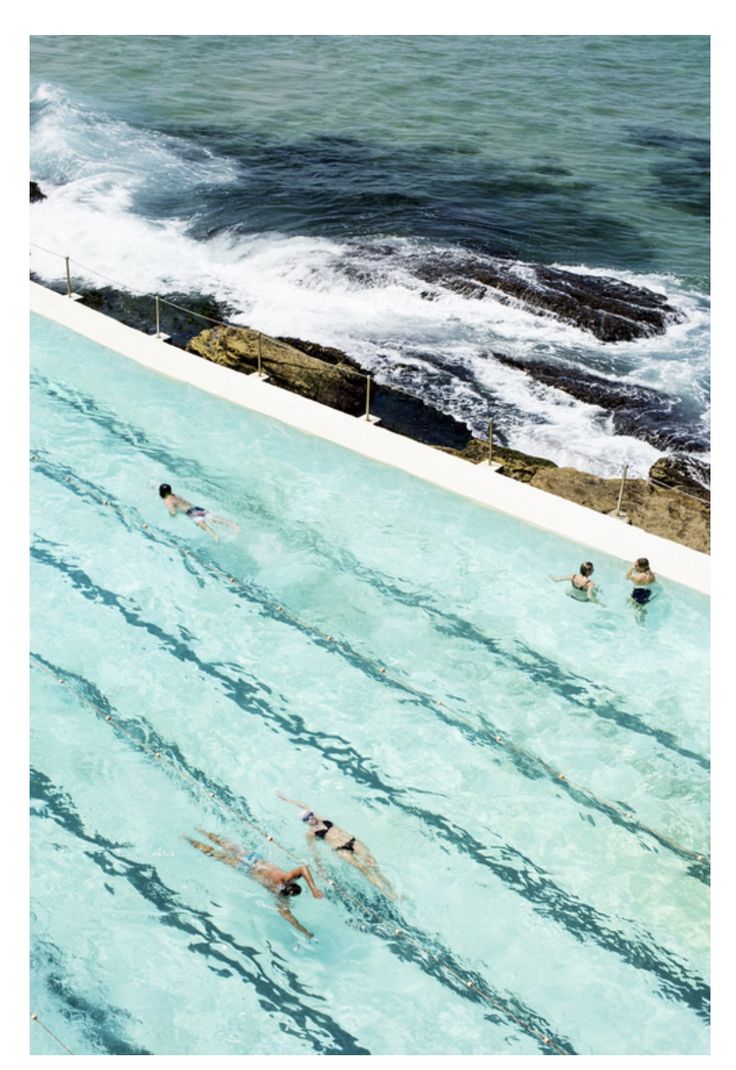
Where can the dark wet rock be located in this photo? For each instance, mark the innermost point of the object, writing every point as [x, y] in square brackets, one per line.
[684, 473]
[338, 385]
[139, 311]
[612, 310]
[399, 411]
[639, 411]
[668, 513]
[36, 193]
[408, 415]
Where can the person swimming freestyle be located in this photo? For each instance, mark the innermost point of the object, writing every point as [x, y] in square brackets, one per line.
[283, 883]
[176, 504]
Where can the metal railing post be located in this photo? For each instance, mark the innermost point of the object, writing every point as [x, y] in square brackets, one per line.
[367, 397]
[260, 337]
[490, 440]
[158, 317]
[68, 278]
[621, 490]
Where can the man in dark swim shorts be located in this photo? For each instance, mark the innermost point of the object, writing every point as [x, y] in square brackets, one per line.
[175, 504]
[643, 579]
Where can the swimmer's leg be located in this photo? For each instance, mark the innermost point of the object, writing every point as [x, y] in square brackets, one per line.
[366, 863]
[228, 857]
[223, 520]
[205, 527]
[227, 844]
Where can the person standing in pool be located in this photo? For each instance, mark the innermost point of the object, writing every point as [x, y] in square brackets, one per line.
[583, 587]
[279, 881]
[643, 580]
[174, 504]
[346, 846]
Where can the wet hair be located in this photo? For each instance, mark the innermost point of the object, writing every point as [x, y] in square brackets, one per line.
[291, 888]
[164, 490]
[643, 563]
[586, 568]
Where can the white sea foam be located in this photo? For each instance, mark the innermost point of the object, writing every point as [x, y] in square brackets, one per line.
[339, 293]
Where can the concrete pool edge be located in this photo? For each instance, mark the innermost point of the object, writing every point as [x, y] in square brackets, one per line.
[590, 530]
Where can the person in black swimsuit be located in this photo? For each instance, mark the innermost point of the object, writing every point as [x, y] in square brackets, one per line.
[583, 588]
[643, 580]
[348, 847]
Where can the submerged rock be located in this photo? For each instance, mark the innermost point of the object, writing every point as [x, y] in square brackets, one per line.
[612, 310]
[36, 193]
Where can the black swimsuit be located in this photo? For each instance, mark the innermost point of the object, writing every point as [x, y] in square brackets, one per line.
[641, 595]
[326, 826]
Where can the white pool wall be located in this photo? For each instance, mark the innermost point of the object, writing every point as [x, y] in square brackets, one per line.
[585, 527]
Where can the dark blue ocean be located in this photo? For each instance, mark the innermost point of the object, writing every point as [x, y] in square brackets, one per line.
[307, 182]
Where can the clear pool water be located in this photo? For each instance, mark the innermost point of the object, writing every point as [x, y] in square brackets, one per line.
[531, 773]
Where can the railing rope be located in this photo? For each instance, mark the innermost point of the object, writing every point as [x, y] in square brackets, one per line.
[220, 323]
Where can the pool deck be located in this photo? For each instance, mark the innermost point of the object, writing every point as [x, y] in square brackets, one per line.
[591, 531]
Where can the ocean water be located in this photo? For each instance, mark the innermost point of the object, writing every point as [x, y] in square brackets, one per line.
[396, 658]
[305, 181]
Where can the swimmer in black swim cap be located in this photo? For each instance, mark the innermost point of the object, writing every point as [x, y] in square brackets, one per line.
[283, 883]
[175, 504]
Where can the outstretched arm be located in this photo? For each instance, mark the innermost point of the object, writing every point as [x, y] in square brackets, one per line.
[294, 801]
[286, 913]
[303, 871]
[558, 578]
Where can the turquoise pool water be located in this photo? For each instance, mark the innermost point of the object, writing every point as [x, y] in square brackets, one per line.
[532, 774]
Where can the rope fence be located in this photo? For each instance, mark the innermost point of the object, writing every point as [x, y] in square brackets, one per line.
[159, 300]
[275, 343]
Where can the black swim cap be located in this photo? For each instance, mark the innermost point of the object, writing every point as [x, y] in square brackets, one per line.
[292, 888]
[164, 489]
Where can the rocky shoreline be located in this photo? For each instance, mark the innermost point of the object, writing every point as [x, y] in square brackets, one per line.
[675, 506]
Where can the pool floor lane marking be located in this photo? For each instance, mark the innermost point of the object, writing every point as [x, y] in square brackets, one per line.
[377, 919]
[199, 787]
[494, 738]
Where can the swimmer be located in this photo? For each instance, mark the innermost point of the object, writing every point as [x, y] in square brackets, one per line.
[345, 845]
[279, 881]
[583, 588]
[174, 504]
[643, 580]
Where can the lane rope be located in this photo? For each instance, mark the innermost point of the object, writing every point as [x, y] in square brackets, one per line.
[497, 740]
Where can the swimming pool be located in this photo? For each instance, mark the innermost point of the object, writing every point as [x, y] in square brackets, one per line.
[532, 774]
